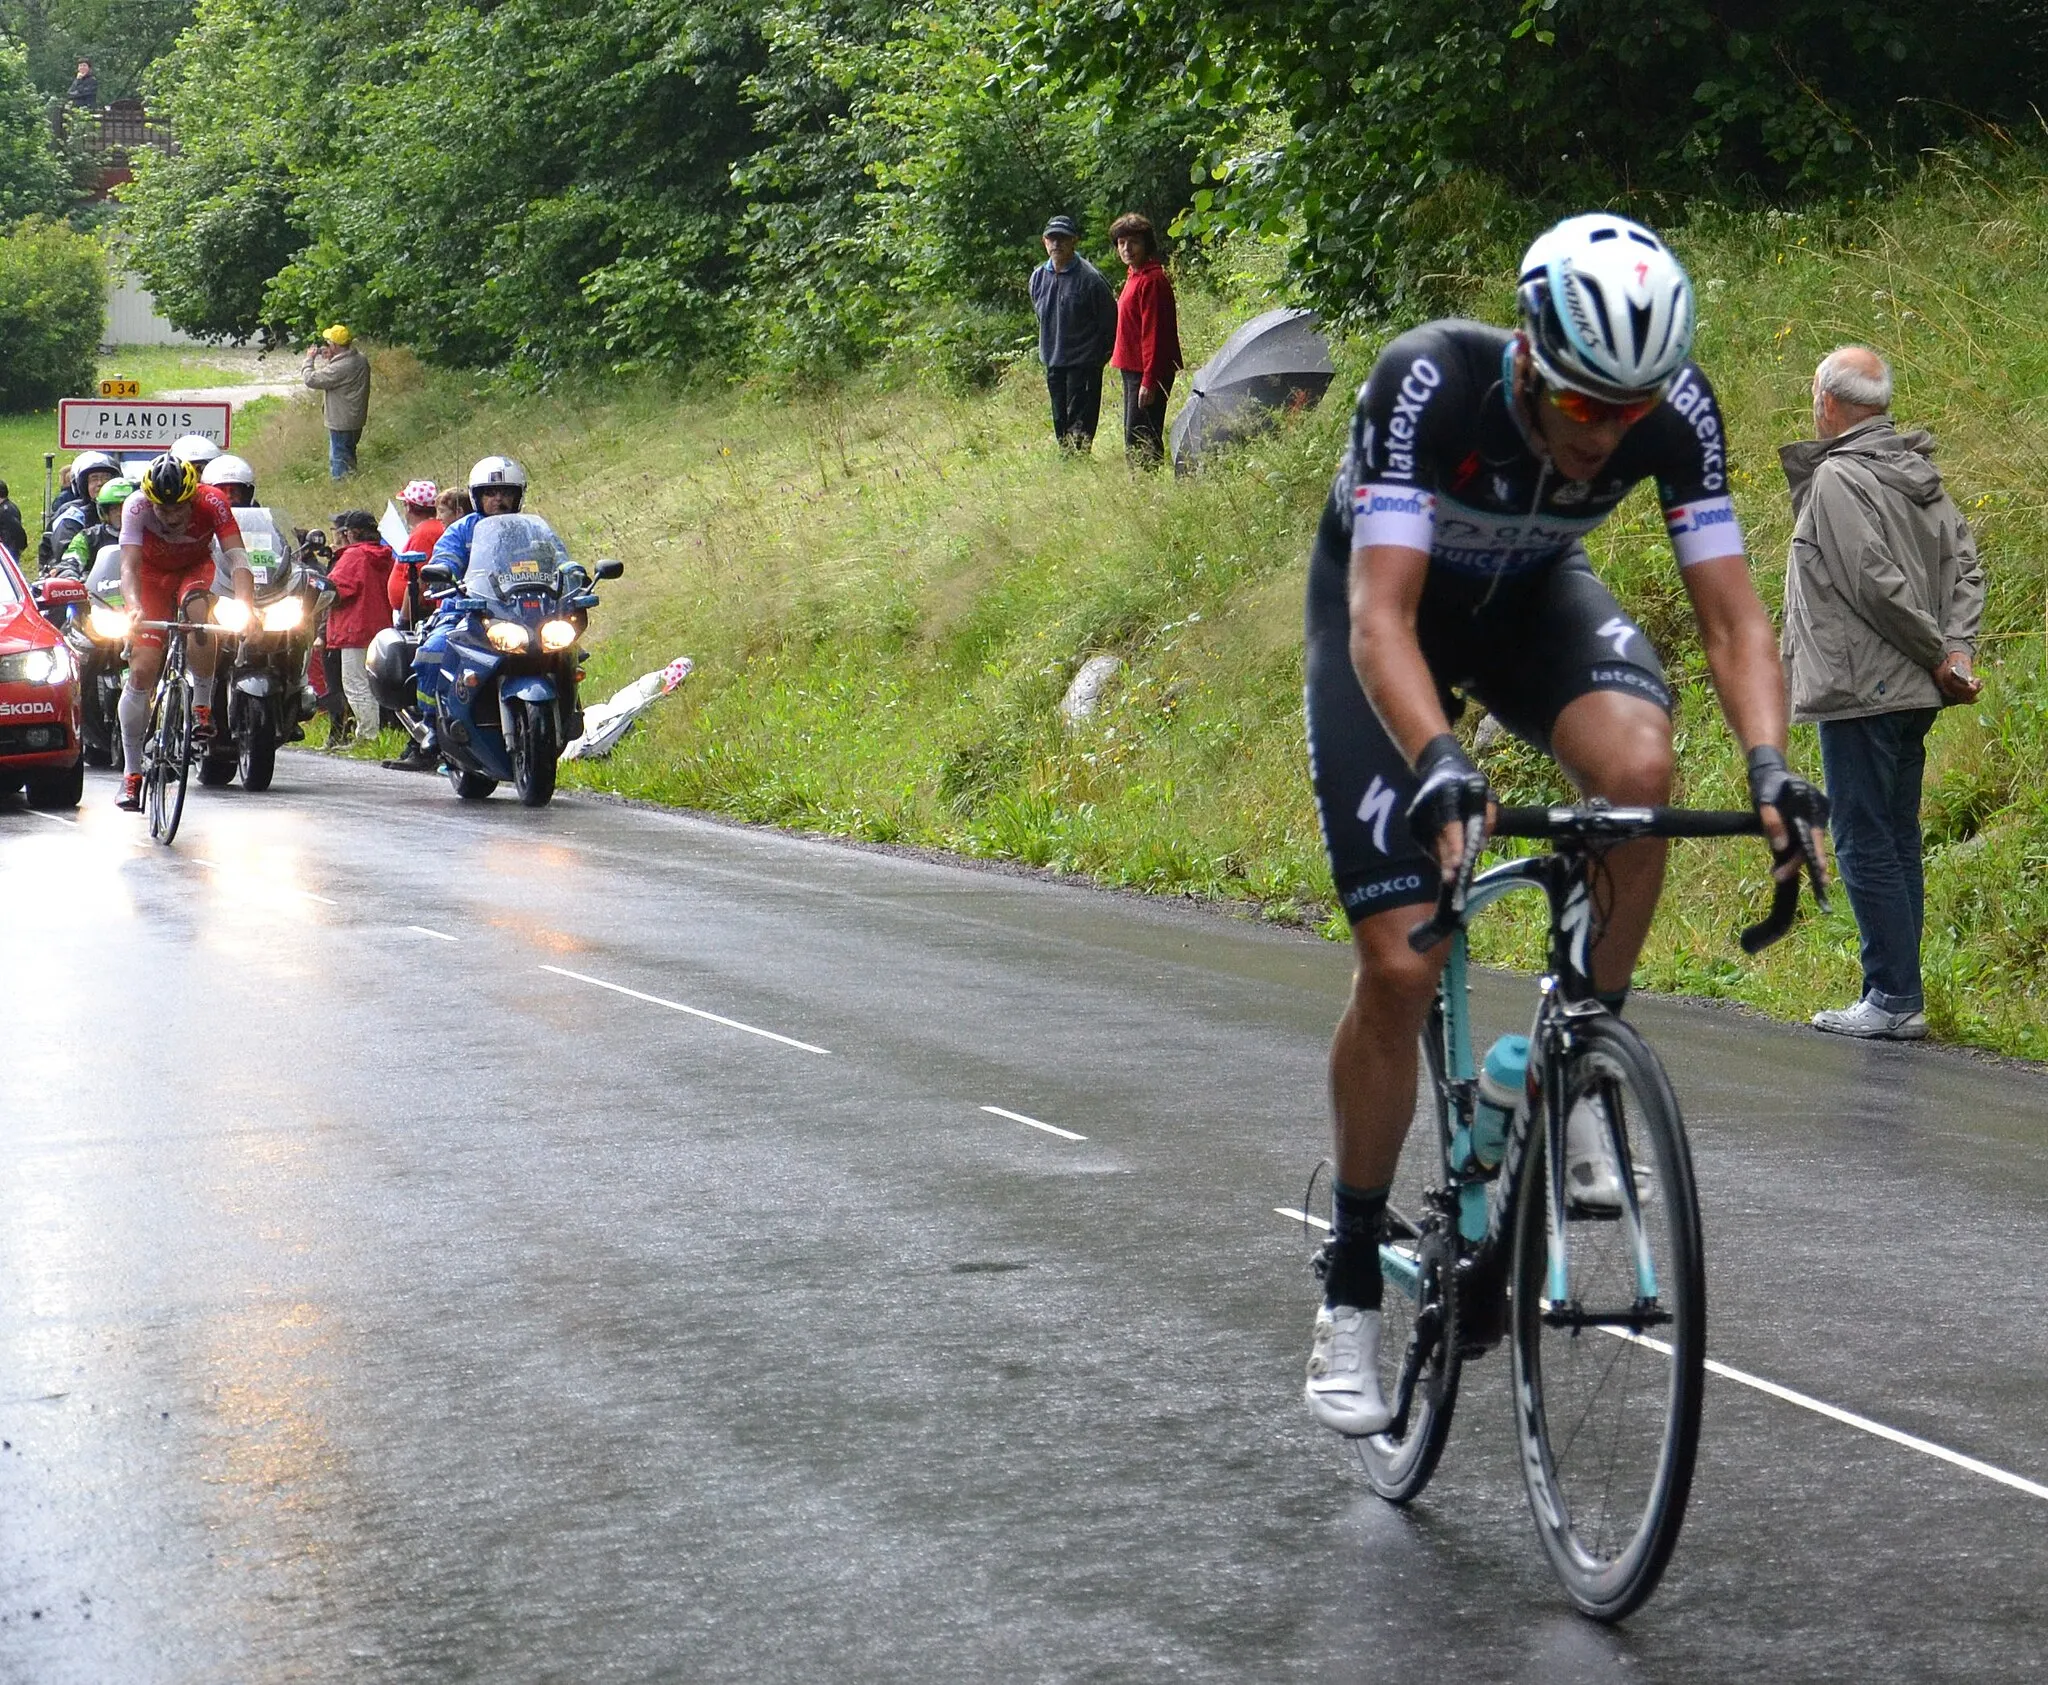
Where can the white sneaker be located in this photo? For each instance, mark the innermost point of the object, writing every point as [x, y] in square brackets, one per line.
[1592, 1180]
[1343, 1389]
[1869, 1021]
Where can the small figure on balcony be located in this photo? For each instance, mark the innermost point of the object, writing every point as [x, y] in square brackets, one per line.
[85, 87]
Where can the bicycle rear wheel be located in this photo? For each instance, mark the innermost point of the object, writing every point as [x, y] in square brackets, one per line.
[168, 755]
[1419, 1359]
[1609, 1373]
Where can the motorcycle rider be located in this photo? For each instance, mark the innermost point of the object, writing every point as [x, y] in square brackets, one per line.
[497, 486]
[167, 534]
[77, 508]
[85, 546]
[195, 448]
[235, 477]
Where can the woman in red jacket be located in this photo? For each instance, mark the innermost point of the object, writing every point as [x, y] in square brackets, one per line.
[361, 578]
[1147, 339]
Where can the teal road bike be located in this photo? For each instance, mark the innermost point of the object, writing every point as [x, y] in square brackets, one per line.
[1603, 1307]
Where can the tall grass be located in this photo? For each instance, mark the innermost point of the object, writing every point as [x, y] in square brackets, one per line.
[887, 590]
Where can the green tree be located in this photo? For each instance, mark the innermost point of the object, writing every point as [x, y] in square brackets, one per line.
[1383, 106]
[32, 179]
[121, 38]
[53, 308]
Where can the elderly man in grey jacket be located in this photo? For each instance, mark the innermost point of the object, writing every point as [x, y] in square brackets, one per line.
[1883, 596]
[340, 373]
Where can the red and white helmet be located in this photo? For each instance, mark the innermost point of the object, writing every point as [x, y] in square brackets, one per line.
[1606, 306]
[419, 494]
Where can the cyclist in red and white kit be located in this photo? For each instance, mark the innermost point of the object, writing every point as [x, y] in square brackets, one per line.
[167, 534]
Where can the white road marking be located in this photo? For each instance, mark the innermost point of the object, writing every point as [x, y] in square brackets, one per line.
[53, 818]
[307, 894]
[1849, 1419]
[1049, 1128]
[438, 935]
[693, 1011]
[1834, 1413]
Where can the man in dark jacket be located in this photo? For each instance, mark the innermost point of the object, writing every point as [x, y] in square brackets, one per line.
[1883, 596]
[1076, 332]
[84, 91]
[13, 535]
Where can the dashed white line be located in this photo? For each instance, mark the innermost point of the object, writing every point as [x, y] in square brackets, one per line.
[1833, 1412]
[438, 935]
[304, 894]
[693, 1011]
[1049, 1128]
[54, 818]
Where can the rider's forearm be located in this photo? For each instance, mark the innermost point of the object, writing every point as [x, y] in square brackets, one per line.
[1750, 681]
[1742, 650]
[1386, 590]
[239, 572]
[131, 577]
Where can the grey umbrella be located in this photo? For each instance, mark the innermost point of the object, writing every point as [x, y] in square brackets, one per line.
[1278, 361]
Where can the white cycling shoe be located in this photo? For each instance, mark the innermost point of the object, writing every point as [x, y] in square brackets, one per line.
[1592, 1179]
[1343, 1390]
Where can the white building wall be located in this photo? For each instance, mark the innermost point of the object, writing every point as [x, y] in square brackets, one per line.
[132, 317]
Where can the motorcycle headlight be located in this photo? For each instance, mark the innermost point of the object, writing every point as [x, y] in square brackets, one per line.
[507, 635]
[36, 667]
[231, 614]
[285, 616]
[557, 635]
[109, 625]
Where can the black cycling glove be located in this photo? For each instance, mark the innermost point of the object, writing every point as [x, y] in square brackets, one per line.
[1453, 791]
[1803, 808]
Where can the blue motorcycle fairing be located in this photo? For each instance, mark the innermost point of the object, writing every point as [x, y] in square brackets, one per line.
[254, 684]
[528, 687]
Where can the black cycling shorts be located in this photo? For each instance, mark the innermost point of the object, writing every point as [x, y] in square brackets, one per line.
[1538, 642]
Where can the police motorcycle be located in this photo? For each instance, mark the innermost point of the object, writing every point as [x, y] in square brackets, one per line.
[498, 663]
[96, 630]
[259, 696]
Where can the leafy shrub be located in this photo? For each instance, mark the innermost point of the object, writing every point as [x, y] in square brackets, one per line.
[53, 308]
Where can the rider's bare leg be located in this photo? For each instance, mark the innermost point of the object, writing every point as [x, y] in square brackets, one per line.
[1619, 746]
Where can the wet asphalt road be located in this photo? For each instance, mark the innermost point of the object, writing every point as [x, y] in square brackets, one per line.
[378, 1303]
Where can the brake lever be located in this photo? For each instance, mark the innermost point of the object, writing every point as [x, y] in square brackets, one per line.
[1449, 917]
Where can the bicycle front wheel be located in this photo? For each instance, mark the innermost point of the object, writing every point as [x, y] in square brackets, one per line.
[1609, 1326]
[169, 758]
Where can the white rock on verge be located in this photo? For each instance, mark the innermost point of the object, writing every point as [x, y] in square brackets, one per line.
[1085, 693]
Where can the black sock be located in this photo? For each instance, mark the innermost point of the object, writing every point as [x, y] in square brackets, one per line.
[1613, 999]
[1354, 1273]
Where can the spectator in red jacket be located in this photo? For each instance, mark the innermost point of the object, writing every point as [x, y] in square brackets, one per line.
[1147, 339]
[361, 578]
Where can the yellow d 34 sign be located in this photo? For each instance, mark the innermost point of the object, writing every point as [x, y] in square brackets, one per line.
[120, 389]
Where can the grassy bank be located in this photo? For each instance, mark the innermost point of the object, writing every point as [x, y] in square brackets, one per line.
[887, 591]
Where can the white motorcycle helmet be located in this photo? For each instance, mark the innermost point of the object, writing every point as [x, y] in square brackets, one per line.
[227, 470]
[497, 473]
[1607, 308]
[91, 462]
[195, 448]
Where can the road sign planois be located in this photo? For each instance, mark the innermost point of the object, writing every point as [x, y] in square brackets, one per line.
[118, 424]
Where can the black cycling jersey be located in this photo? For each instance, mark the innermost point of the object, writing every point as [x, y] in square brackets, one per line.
[1440, 462]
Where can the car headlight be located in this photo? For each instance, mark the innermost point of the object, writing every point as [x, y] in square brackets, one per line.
[109, 625]
[35, 667]
[507, 635]
[285, 616]
[231, 614]
[557, 634]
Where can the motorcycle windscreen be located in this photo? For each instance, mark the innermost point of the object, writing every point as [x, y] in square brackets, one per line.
[510, 553]
[269, 554]
[104, 582]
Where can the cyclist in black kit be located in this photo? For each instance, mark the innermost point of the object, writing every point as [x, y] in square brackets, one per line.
[1449, 565]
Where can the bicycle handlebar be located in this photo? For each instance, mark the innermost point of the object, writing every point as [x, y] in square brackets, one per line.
[1620, 824]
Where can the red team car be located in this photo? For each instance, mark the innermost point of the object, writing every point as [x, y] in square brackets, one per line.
[39, 744]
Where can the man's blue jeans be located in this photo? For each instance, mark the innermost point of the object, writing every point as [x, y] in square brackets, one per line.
[1873, 768]
[341, 453]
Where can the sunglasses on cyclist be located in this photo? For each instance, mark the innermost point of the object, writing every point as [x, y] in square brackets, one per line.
[1589, 411]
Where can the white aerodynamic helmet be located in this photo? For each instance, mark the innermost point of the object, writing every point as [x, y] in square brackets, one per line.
[1607, 308]
[227, 470]
[195, 448]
